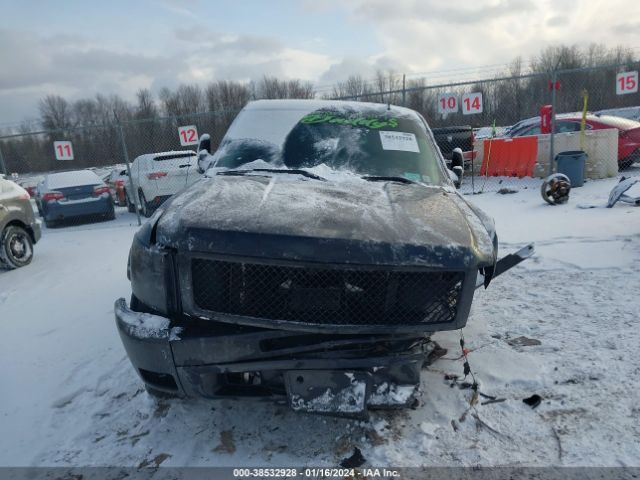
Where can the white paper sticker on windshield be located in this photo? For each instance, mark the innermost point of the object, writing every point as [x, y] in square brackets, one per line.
[404, 142]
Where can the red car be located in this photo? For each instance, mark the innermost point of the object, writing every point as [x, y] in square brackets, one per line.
[30, 184]
[628, 132]
[116, 181]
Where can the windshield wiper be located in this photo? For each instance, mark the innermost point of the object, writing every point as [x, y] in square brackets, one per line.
[293, 171]
[388, 179]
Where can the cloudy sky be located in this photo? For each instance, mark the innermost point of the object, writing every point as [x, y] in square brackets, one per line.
[77, 48]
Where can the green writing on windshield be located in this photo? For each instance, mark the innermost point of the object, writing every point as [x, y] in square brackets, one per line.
[355, 121]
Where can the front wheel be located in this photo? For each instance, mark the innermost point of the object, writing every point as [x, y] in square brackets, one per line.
[16, 247]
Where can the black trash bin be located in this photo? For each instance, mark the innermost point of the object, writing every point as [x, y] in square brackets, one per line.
[572, 165]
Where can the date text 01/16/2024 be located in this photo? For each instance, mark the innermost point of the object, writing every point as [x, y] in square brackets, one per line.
[314, 472]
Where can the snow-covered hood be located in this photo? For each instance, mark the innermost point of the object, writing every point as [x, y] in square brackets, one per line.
[434, 220]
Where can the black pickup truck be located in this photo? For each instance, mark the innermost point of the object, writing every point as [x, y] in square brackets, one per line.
[450, 138]
[323, 246]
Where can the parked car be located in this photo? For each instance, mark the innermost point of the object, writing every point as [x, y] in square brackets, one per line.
[628, 132]
[74, 194]
[37, 196]
[158, 176]
[19, 229]
[30, 184]
[116, 181]
[483, 133]
[324, 245]
[631, 113]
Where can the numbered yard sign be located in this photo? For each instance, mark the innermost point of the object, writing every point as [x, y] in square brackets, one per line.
[471, 103]
[63, 150]
[627, 82]
[447, 103]
[188, 135]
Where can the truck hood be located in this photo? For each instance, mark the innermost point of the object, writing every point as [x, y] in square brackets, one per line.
[353, 221]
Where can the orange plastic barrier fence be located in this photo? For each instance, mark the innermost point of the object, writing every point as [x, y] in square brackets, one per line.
[510, 157]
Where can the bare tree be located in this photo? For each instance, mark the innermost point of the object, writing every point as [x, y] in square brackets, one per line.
[505, 101]
[226, 99]
[384, 82]
[353, 87]
[190, 99]
[299, 89]
[146, 107]
[225, 95]
[272, 87]
[56, 113]
[169, 102]
[85, 112]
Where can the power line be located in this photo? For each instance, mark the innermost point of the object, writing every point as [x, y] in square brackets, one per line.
[526, 67]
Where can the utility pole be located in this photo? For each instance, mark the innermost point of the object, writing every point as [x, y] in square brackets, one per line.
[132, 188]
[404, 90]
[553, 121]
[583, 120]
[3, 167]
[554, 87]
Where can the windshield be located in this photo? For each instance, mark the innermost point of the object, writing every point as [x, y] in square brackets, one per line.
[367, 140]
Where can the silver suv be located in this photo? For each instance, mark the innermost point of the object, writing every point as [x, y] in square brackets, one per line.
[19, 229]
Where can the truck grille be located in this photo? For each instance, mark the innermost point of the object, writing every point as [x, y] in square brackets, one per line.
[325, 296]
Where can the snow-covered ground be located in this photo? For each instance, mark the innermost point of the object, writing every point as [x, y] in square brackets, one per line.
[70, 397]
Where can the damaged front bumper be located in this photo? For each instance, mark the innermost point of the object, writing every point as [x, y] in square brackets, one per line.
[328, 374]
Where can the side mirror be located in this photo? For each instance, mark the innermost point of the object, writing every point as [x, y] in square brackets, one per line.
[457, 165]
[204, 150]
[204, 143]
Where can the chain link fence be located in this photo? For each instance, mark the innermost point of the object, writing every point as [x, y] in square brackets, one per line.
[130, 166]
[101, 173]
[500, 124]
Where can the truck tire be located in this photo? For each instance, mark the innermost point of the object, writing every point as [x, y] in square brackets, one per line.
[131, 208]
[16, 247]
[145, 207]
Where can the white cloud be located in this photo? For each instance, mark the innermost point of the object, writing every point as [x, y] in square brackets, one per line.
[427, 35]
[74, 67]
[218, 55]
[411, 36]
[303, 64]
[179, 7]
[29, 62]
